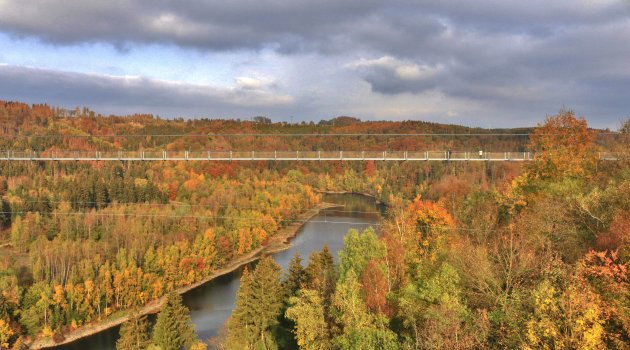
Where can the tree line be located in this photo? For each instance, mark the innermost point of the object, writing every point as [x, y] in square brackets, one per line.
[544, 265]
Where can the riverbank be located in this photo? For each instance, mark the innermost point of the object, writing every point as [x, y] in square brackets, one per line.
[365, 194]
[280, 241]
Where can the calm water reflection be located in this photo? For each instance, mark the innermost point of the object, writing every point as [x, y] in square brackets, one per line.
[212, 303]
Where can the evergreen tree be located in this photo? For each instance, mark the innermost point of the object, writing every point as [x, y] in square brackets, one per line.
[134, 334]
[240, 332]
[295, 276]
[4, 186]
[290, 286]
[5, 214]
[258, 308]
[173, 328]
[267, 293]
[101, 195]
[321, 274]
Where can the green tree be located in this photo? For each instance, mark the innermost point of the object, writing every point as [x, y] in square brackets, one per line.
[173, 328]
[19, 238]
[432, 309]
[5, 214]
[291, 284]
[258, 307]
[358, 250]
[36, 307]
[321, 274]
[307, 312]
[4, 187]
[361, 329]
[295, 276]
[134, 334]
[240, 331]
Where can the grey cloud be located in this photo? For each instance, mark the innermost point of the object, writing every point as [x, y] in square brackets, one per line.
[288, 26]
[389, 75]
[112, 94]
[207, 25]
[508, 55]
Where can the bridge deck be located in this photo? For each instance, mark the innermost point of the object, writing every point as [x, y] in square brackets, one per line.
[271, 156]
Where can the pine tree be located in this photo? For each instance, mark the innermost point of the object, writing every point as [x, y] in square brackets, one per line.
[267, 293]
[295, 276]
[321, 274]
[134, 334]
[290, 286]
[5, 214]
[173, 328]
[258, 307]
[101, 195]
[4, 186]
[240, 331]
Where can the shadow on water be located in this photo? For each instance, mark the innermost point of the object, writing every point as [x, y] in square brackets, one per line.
[212, 303]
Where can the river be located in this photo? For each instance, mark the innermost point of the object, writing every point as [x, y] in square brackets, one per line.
[212, 303]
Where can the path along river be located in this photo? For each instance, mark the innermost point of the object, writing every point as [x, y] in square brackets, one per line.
[212, 303]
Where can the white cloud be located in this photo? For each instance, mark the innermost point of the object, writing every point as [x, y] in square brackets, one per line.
[402, 69]
[254, 83]
[133, 93]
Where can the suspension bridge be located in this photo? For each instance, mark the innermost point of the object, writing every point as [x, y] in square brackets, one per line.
[275, 156]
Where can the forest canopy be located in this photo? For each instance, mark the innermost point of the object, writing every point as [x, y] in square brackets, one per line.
[469, 255]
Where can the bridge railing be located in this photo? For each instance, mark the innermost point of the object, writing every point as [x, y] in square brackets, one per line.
[282, 155]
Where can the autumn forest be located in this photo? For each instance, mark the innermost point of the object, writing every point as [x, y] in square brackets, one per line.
[467, 255]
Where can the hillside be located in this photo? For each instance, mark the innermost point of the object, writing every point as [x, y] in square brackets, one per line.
[471, 255]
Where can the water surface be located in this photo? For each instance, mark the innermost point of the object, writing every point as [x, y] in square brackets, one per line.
[212, 303]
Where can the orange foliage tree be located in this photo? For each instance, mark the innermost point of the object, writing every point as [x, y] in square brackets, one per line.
[564, 147]
[432, 223]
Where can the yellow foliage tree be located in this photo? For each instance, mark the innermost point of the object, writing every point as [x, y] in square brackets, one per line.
[571, 319]
[5, 334]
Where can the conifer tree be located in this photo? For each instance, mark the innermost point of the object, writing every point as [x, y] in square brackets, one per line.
[240, 332]
[5, 214]
[267, 295]
[290, 286]
[258, 307]
[295, 276]
[4, 187]
[173, 328]
[321, 274]
[134, 334]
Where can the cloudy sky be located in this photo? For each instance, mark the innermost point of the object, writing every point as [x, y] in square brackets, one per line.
[489, 63]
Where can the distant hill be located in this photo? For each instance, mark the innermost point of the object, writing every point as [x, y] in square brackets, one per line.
[43, 127]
